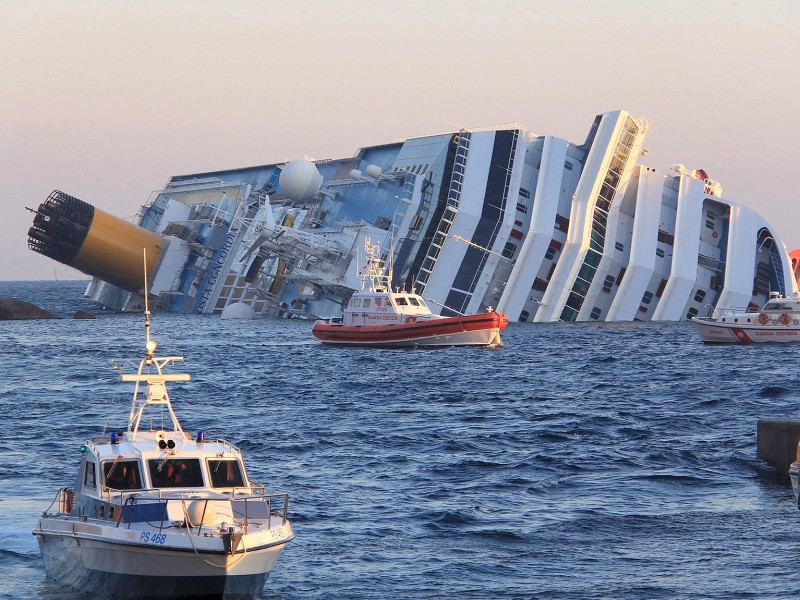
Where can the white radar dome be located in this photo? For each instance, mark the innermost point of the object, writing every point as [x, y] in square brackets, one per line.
[238, 310]
[374, 171]
[355, 174]
[300, 180]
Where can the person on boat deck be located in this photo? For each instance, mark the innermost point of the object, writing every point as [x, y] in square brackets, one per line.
[171, 475]
[123, 477]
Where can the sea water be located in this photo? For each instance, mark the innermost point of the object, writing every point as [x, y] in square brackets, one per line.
[578, 461]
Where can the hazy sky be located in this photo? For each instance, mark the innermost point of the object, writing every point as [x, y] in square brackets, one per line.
[106, 100]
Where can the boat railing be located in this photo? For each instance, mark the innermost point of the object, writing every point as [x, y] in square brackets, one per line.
[729, 311]
[246, 504]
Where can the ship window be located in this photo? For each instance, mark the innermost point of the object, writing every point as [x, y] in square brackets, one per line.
[510, 249]
[225, 473]
[647, 298]
[122, 475]
[401, 301]
[524, 193]
[608, 281]
[692, 313]
[568, 166]
[595, 314]
[88, 476]
[700, 296]
[413, 301]
[710, 224]
[551, 252]
[660, 252]
[619, 246]
[524, 316]
[175, 472]
[522, 208]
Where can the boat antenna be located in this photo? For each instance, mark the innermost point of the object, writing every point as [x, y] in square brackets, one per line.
[150, 345]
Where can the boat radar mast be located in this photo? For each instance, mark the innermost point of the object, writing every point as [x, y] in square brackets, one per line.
[150, 372]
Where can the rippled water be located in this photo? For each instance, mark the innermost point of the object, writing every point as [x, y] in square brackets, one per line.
[579, 461]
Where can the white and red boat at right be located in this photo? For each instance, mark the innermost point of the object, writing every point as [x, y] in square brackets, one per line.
[777, 321]
[378, 316]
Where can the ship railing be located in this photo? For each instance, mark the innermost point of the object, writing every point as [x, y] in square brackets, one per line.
[729, 311]
[247, 503]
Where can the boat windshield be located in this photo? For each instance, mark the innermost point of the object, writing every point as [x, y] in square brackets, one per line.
[122, 475]
[225, 473]
[175, 472]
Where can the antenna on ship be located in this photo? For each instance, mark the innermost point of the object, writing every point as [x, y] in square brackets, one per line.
[150, 345]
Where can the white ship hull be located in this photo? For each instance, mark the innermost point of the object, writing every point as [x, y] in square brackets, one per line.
[540, 228]
[117, 562]
[715, 332]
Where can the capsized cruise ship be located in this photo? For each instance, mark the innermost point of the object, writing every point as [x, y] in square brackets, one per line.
[534, 226]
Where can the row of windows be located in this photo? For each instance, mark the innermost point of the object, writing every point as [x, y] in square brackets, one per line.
[399, 300]
[647, 298]
[185, 472]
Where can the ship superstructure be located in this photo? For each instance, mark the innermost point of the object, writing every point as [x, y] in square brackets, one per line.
[537, 227]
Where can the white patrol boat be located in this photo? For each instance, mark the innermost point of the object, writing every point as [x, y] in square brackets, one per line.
[777, 321]
[157, 513]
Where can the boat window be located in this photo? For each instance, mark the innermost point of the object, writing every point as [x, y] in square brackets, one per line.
[225, 473]
[175, 472]
[88, 475]
[401, 300]
[122, 475]
[367, 302]
[413, 301]
[387, 302]
[355, 302]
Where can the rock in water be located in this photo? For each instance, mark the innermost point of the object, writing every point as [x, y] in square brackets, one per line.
[14, 309]
[83, 314]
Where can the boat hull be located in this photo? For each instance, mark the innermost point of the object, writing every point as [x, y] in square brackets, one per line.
[713, 331]
[473, 330]
[119, 568]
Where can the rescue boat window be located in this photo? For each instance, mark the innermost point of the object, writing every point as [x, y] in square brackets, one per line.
[225, 473]
[122, 475]
[175, 472]
[355, 302]
[367, 302]
[88, 476]
[401, 301]
[413, 301]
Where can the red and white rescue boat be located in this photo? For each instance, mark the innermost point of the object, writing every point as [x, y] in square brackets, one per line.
[777, 321]
[378, 316]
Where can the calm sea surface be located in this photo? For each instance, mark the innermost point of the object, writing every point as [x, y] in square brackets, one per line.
[579, 461]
